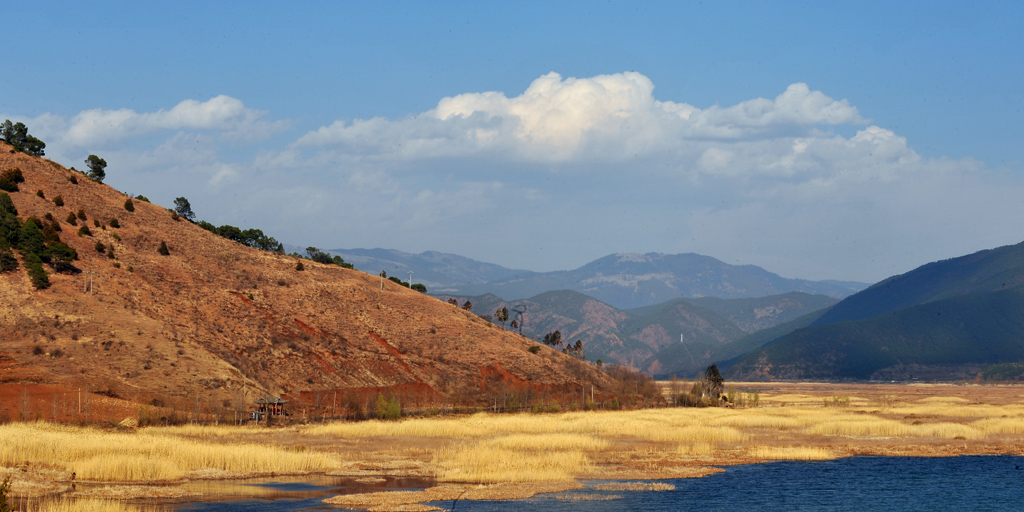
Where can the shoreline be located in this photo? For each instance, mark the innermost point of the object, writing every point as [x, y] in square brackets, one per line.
[795, 421]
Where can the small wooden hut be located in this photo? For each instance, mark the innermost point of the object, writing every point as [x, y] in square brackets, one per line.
[270, 406]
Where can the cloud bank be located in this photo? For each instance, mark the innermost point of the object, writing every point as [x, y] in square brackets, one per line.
[99, 127]
[581, 119]
[568, 170]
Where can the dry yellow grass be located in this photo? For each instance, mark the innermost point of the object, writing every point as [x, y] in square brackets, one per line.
[635, 486]
[517, 448]
[65, 504]
[790, 453]
[518, 458]
[1002, 425]
[144, 456]
[485, 463]
[871, 426]
[696, 450]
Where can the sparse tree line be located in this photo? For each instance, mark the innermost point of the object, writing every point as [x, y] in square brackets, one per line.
[554, 340]
[468, 306]
[709, 391]
[315, 254]
[254, 238]
[384, 275]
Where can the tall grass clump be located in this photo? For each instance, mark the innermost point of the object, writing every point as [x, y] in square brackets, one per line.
[513, 459]
[790, 453]
[1009, 425]
[850, 425]
[65, 504]
[145, 456]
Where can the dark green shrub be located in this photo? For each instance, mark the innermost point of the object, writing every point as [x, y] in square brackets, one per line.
[110, 252]
[61, 256]
[129, 205]
[115, 236]
[10, 178]
[40, 193]
[7, 205]
[72, 219]
[8, 262]
[142, 198]
[114, 223]
[84, 231]
[299, 266]
[32, 239]
[534, 349]
[73, 179]
[59, 201]
[50, 232]
[35, 271]
[81, 214]
[163, 249]
[96, 222]
[100, 248]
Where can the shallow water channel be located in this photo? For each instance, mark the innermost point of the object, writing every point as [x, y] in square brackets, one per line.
[883, 484]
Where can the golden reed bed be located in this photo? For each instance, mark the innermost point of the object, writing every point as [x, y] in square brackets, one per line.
[543, 451]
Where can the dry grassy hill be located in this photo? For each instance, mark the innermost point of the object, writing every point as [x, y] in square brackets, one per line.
[214, 323]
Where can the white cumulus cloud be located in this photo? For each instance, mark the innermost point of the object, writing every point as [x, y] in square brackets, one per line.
[560, 119]
[223, 114]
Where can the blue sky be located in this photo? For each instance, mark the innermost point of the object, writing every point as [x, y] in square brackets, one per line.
[817, 140]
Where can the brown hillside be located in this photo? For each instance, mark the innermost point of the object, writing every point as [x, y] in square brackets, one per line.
[216, 319]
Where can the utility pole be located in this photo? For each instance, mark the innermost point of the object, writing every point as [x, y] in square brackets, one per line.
[410, 279]
[87, 280]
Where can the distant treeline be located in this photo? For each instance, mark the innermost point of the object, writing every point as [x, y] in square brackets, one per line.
[249, 237]
[312, 253]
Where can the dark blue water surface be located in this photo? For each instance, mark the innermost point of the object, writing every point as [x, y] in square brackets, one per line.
[878, 484]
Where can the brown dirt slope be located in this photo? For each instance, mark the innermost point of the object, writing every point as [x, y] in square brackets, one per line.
[215, 317]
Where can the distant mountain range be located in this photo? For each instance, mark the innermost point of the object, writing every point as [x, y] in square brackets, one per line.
[620, 280]
[679, 337]
[945, 320]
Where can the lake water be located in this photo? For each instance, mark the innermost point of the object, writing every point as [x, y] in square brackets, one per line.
[880, 484]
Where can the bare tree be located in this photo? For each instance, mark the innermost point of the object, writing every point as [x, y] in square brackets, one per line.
[238, 402]
[54, 407]
[320, 404]
[25, 409]
[675, 389]
[87, 406]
